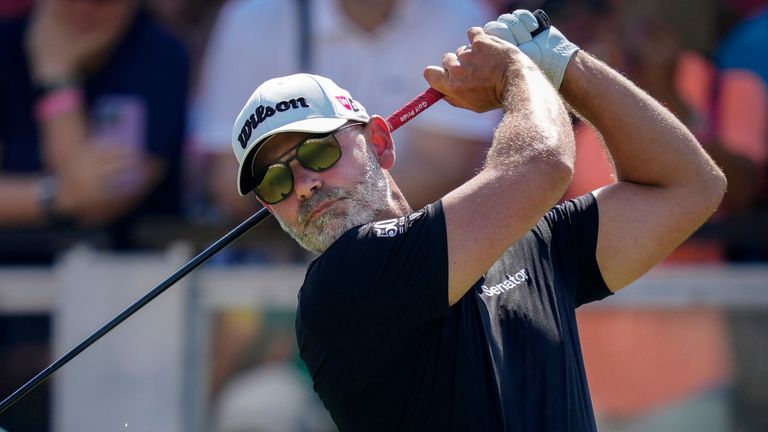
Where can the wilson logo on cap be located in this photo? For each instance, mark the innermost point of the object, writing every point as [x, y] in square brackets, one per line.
[348, 103]
[262, 112]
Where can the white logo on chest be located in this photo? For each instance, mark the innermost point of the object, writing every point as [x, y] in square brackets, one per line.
[510, 282]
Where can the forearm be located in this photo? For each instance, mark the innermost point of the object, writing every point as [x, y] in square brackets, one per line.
[535, 127]
[21, 201]
[527, 168]
[649, 146]
[63, 136]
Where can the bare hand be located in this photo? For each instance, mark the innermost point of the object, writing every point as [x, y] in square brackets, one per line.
[476, 77]
[101, 182]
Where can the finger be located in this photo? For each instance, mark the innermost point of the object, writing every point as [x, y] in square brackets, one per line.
[437, 78]
[501, 31]
[461, 50]
[518, 30]
[527, 19]
[450, 61]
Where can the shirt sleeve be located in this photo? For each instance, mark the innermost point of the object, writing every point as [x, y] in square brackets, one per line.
[573, 226]
[379, 287]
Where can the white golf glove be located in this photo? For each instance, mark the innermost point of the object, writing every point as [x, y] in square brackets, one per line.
[550, 50]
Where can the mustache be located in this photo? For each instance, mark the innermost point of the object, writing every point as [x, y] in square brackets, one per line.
[318, 197]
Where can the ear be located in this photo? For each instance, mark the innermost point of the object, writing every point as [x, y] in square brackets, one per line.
[265, 205]
[379, 135]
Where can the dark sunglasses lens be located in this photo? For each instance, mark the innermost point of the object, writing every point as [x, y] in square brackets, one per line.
[319, 154]
[276, 184]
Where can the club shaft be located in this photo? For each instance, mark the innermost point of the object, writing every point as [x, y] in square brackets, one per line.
[203, 256]
[407, 112]
[397, 119]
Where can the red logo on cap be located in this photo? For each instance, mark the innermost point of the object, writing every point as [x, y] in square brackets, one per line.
[344, 102]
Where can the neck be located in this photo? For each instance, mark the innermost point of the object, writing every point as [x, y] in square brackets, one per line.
[398, 203]
[368, 14]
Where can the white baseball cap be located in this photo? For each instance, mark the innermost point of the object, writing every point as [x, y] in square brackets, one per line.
[294, 103]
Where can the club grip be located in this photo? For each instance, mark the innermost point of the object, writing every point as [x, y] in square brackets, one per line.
[413, 108]
[429, 96]
[543, 21]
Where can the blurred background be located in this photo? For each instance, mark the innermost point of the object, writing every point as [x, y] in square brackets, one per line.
[116, 167]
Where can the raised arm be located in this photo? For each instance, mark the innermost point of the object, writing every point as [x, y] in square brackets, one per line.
[84, 173]
[528, 166]
[667, 184]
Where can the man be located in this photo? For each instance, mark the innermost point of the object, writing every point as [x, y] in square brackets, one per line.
[91, 116]
[460, 316]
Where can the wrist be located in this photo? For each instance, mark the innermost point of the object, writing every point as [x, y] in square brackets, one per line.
[57, 99]
[43, 74]
[47, 195]
[53, 83]
[555, 65]
[572, 76]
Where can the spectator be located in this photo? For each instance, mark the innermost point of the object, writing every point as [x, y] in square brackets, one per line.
[91, 115]
[378, 48]
[742, 57]
[92, 106]
[653, 54]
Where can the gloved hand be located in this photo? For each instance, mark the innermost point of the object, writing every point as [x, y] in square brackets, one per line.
[550, 50]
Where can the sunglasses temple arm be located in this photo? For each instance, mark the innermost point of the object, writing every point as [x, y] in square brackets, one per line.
[202, 257]
[413, 108]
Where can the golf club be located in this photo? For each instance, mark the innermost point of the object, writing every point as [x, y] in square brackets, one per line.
[417, 105]
[407, 112]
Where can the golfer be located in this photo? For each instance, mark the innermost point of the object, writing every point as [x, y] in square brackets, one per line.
[461, 316]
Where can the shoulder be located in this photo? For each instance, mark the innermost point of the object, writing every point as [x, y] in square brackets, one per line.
[570, 224]
[456, 12]
[247, 32]
[567, 215]
[379, 283]
[385, 236]
[378, 250]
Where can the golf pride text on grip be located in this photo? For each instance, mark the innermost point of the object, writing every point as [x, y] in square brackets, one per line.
[429, 96]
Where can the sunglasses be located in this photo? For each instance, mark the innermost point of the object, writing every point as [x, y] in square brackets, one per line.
[318, 153]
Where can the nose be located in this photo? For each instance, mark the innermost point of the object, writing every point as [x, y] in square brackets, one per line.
[305, 181]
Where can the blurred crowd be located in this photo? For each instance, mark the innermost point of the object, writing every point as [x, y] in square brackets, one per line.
[116, 119]
[117, 114]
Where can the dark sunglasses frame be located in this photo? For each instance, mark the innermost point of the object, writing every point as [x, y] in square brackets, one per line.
[295, 149]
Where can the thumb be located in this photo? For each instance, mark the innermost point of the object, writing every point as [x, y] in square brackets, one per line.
[436, 77]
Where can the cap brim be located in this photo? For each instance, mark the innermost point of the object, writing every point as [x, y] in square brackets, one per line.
[311, 125]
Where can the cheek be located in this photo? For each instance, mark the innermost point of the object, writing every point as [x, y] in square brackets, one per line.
[285, 210]
[349, 170]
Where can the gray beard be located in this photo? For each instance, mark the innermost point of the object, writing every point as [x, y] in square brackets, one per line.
[359, 205]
